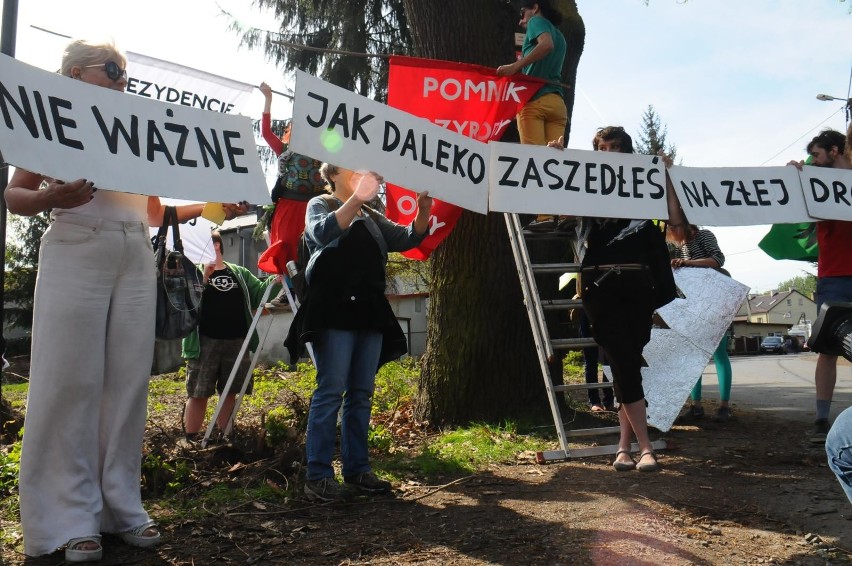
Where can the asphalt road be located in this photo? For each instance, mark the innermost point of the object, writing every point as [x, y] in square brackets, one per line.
[780, 384]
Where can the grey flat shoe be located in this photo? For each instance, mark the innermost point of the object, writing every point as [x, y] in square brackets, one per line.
[652, 467]
[623, 466]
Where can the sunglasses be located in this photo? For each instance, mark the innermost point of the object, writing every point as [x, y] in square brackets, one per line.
[112, 70]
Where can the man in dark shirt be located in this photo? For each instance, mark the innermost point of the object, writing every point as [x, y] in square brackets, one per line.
[230, 292]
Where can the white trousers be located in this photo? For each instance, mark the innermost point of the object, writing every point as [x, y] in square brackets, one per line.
[92, 348]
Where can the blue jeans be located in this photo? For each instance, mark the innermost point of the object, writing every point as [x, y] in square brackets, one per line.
[838, 447]
[347, 361]
[833, 289]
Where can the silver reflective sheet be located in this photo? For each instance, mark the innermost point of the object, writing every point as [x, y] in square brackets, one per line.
[678, 355]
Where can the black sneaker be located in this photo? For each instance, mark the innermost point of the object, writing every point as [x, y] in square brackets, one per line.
[723, 414]
[820, 431]
[323, 490]
[368, 484]
[548, 225]
[566, 224]
[696, 412]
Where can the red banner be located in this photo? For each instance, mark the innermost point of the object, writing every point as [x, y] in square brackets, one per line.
[468, 99]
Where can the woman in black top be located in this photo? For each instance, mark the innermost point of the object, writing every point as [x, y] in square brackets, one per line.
[349, 322]
[626, 276]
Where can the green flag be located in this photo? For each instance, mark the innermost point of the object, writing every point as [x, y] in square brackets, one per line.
[791, 241]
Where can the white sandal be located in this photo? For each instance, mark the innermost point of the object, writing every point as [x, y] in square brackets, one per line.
[81, 555]
[136, 537]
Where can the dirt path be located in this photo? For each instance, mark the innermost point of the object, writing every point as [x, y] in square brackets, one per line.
[728, 494]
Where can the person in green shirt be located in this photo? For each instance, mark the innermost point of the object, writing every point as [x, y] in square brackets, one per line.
[545, 116]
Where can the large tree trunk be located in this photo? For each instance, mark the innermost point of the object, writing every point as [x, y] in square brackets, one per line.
[480, 361]
[574, 31]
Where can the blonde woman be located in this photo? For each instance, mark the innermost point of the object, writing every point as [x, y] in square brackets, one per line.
[92, 346]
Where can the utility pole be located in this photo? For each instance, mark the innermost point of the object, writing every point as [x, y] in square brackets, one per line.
[8, 37]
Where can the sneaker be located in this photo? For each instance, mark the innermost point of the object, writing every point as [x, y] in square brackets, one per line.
[696, 412]
[723, 414]
[542, 225]
[323, 490]
[368, 484]
[280, 302]
[820, 431]
[566, 224]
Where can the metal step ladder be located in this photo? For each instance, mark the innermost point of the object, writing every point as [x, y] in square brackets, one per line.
[547, 346]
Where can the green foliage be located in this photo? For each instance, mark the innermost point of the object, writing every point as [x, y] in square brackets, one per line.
[373, 26]
[303, 380]
[22, 267]
[652, 138]
[162, 475]
[573, 367]
[16, 393]
[10, 462]
[473, 447]
[279, 423]
[380, 437]
[804, 284]
[160, 392]
[395, 385]
[411, 274]
[165, 387]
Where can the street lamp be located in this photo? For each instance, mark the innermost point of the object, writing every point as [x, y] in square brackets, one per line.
[848, 101]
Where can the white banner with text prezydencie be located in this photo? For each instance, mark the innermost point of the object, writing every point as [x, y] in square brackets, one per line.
[828, 192]
[740, 196]
[169, 82]
[68, 129]
[543, 180]
[340, 127]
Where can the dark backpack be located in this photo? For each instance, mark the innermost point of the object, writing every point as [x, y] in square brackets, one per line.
[296, 269]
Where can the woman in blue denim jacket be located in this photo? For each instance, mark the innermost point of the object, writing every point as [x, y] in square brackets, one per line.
[348, 320]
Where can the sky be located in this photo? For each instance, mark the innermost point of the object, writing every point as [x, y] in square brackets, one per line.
[734, 82]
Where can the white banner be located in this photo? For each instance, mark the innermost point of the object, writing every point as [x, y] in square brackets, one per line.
[69, 129]
[828, 192]
[170, 82]
[543, 180]
[341, 127]
[348, 130]
[740, 196]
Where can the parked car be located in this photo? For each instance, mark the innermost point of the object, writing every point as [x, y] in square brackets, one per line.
[773, 345]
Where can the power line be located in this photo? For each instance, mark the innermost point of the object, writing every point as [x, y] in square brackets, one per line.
[795, 141]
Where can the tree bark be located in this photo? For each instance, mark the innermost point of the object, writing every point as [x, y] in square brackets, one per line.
[480, 361]
[574, 30]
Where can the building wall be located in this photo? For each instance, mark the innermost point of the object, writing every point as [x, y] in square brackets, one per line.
[760, 330]
[784, 313]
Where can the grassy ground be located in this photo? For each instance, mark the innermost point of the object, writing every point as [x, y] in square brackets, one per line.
[268, 442]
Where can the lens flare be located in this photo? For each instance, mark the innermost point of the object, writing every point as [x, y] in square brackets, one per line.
[331, 141]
